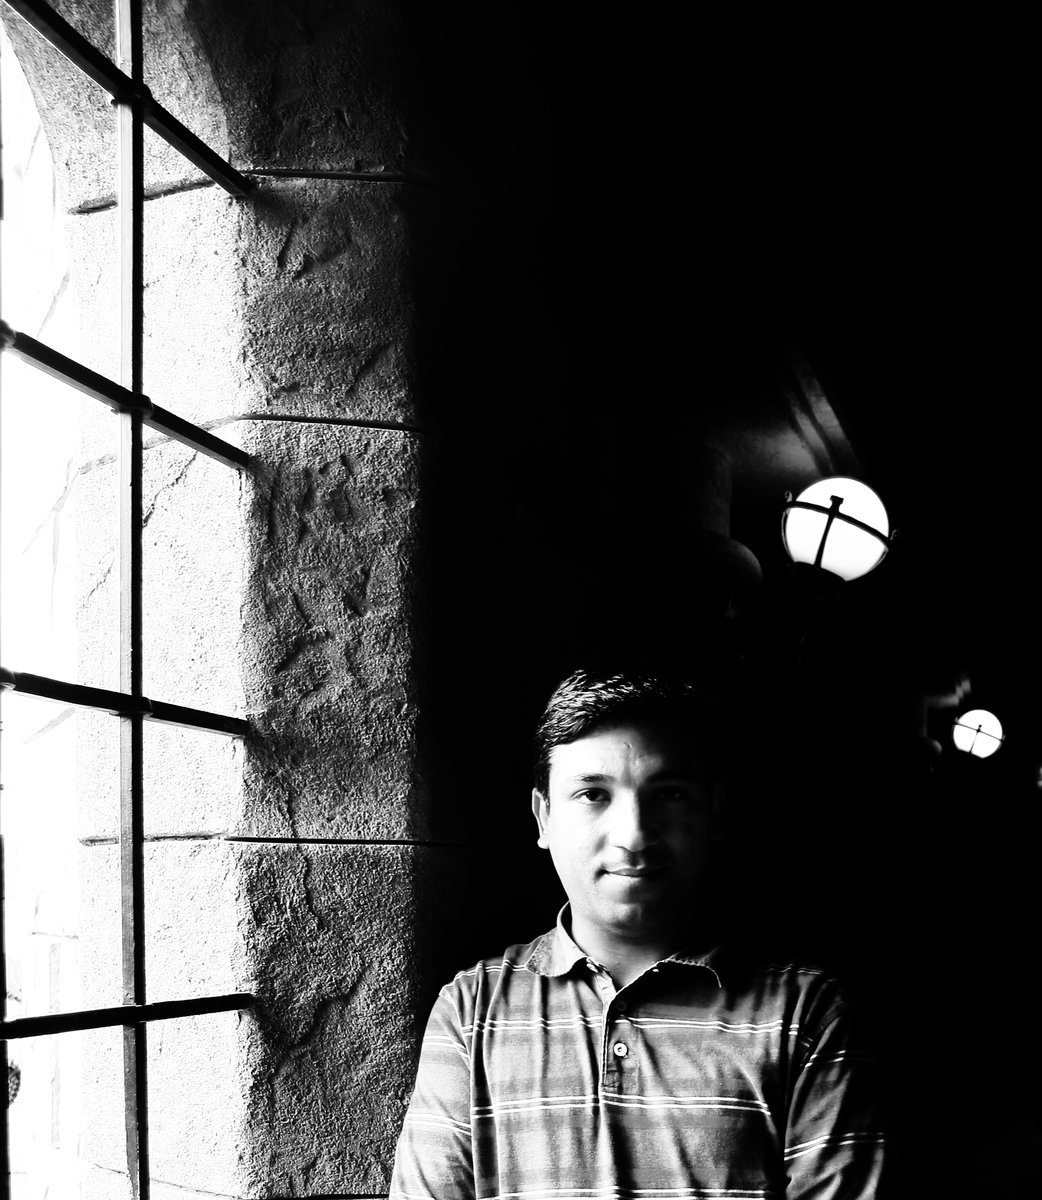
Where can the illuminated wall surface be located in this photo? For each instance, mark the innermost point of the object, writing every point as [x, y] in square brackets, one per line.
[285, 597]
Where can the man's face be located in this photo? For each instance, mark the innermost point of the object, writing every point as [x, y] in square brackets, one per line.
[628, 822]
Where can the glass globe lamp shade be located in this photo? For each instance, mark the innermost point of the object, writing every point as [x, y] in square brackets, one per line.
[838, 524]
[977, 732]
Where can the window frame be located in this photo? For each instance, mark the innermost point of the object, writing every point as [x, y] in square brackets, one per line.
[135, 107]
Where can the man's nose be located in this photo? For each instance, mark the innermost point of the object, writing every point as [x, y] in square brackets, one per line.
[631, 825]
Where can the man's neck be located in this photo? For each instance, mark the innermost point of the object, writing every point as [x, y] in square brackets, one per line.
[624, 960]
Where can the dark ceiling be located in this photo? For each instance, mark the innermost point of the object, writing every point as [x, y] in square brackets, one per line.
[847, 182]
[899, 139]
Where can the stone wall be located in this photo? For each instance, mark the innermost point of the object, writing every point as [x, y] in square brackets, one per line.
[310, 864]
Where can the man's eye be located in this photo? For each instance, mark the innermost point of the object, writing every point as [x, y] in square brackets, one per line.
[592, 796]
[674, 795]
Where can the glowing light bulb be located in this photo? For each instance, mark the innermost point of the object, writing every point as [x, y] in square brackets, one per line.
[845, 531]
[977, 732]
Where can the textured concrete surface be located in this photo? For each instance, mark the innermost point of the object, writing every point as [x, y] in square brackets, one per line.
[192, 300]
[313, 86]
[192, 306]
[339, 938]
[327, 643]
[193, 779]
[76, 113]
[103, 1138]
[196, 1102]
[192, 576]
[79, 117]
[294, 301]
[325, 302]
[192, 945]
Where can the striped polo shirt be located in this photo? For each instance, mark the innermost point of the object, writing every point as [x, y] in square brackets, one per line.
[708, 1076]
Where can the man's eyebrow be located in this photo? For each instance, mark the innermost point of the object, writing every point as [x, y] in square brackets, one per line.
[682, 774]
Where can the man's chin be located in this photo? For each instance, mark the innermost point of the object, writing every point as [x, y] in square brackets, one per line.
[637, 917]
[637, 891]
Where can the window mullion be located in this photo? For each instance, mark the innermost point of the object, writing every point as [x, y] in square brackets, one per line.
[131, 197]
[123, 87]
[117, 397]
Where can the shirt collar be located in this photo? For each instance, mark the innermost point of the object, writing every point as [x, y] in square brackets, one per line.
[555, 953]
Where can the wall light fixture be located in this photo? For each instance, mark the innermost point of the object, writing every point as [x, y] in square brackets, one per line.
[977, 732]
[837, 524]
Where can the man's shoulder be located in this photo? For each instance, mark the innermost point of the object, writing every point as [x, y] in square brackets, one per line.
[775, 958]
[495, 968]
[793, 982]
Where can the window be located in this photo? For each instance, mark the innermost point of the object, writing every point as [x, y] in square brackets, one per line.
[120, 712]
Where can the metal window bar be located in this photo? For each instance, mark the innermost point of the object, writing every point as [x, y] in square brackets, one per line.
[127, 87]
[118, 398]
[135, 108]
[120, 704]
[131, 196]
[123, 1014]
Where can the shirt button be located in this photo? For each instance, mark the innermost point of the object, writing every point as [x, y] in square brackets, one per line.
[621, 1006]
[620, 1049]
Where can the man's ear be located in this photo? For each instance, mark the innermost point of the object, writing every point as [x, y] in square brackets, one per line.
[541, 812]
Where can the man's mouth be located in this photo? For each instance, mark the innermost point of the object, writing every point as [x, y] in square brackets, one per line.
[644, 872]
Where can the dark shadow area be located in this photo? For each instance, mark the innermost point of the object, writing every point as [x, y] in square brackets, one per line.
[667, 209]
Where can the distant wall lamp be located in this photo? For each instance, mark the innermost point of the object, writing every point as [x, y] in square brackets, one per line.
[837, 524]
[977, 732]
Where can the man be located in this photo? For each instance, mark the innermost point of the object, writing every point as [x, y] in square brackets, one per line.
[629, 1053]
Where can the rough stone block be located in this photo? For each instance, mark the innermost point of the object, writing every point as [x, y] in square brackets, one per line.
[35, 261]
[101, 1183]
[196, 1104]
[191, 579]
[193, 780]
[325, 307]
[192, 332]
[102, 1131]
[76, 113]
[161, 1190]
[97, 775]
[51, 548]
[311, 85]
[94, 516]
[79, 117]
[192, 302]
[101, 975]
[192, 945]
[93, 290]
[340, 940]
[327, 644]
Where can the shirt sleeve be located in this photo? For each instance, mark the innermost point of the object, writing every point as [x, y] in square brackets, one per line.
[835, 1145]
[433, 1159]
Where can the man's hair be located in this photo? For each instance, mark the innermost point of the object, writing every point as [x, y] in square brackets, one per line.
[592, 699]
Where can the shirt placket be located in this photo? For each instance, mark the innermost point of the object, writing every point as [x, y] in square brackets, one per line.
[619, 1061]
